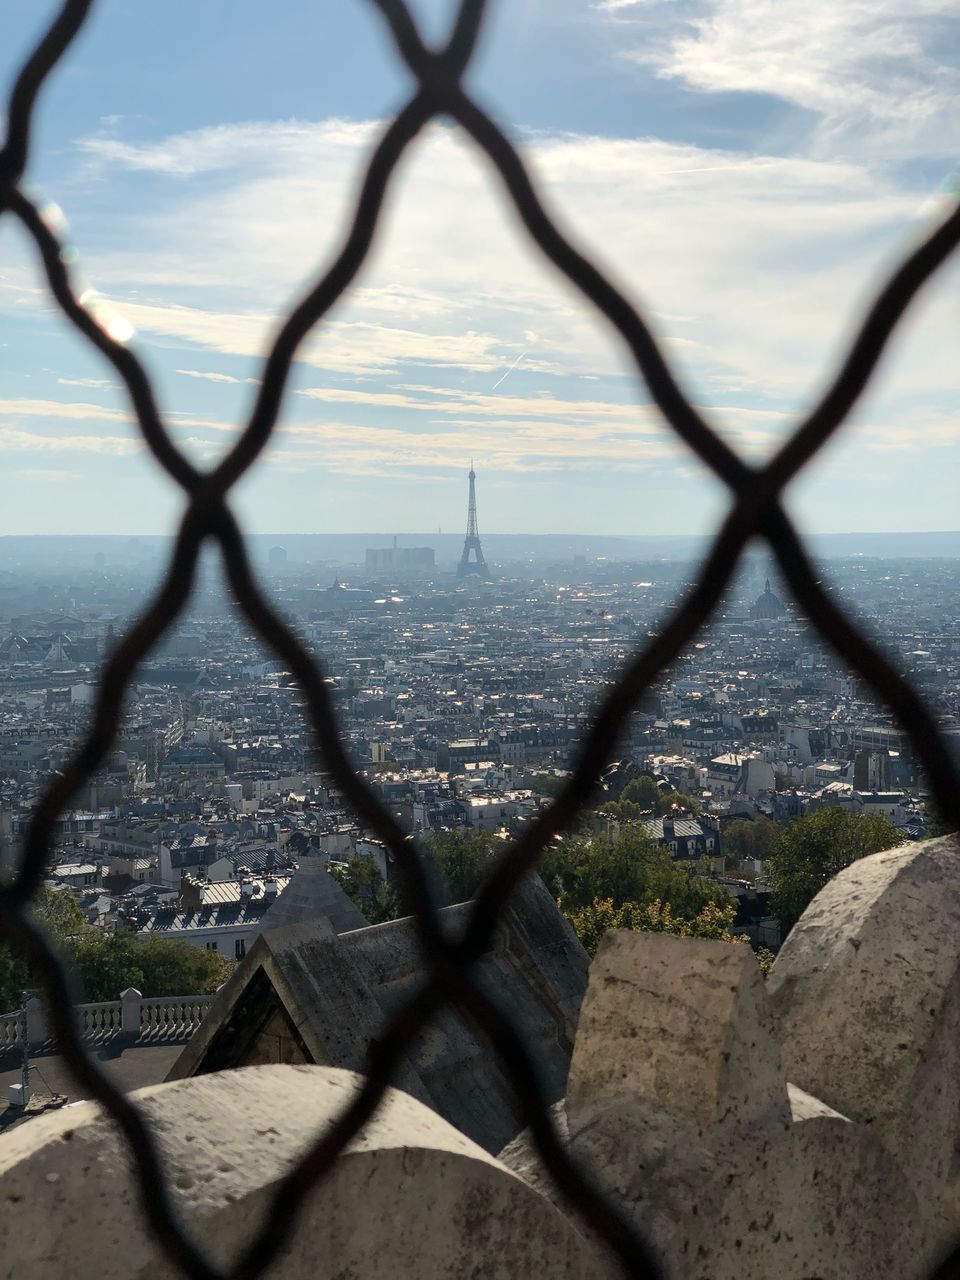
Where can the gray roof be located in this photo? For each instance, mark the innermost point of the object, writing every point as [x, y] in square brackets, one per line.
[688, 828]
[335, 994]
[310, 893]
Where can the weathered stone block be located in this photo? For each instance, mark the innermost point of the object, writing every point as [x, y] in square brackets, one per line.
[410, 1197]
[866, 991]
[682, 1024]
[678, 1104]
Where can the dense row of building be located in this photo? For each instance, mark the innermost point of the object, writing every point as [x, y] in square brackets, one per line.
[461, 701]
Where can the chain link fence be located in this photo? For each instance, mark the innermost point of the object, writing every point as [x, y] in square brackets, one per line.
[757, 511]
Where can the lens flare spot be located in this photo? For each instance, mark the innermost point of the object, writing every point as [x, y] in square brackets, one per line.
[53, 218]
[116, 326]
[119, 328]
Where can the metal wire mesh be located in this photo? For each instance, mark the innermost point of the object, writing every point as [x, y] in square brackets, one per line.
[756, 511]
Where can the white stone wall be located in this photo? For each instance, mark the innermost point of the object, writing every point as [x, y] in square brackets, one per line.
[411, 1199]
[803, 1126]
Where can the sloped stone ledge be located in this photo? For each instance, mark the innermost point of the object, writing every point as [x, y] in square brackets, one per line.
[410, 1198]
[803, 1126]
[806, 1126]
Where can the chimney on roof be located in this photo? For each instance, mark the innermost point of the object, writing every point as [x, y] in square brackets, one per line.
[191, 893]
[668, 830]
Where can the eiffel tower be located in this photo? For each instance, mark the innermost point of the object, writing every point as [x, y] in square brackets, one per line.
[472, 541]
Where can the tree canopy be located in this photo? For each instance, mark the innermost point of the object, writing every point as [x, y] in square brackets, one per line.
[578, 871]
[550, 784]
[591, 922]
[458, 861]
[107, 964]
[626, 867]
[748, 838]
[809, 851]
[642, 795]
[104, 964]
[361, 881]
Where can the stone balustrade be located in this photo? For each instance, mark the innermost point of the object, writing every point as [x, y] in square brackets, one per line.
[133, 1016]
[12, 1029]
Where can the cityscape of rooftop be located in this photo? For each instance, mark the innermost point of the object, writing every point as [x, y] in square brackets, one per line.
[494, 823]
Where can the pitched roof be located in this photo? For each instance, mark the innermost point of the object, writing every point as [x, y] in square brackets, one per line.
[335, 995]
[313, 892]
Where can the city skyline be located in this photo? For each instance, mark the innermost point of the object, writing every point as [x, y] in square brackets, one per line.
[747, 189]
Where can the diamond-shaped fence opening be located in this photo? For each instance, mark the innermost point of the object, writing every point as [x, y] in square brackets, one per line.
[757, 512]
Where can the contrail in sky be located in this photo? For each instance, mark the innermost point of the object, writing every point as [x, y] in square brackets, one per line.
[509, 371]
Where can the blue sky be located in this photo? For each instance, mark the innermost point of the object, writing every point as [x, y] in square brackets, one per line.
[746, 169]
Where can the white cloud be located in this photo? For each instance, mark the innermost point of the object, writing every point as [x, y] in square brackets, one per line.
[13, 441]
[741, 257]
[749, 427]
[874, 73]
[98, 384]
[356, 347]
[505, 447]
[77, 411]
[751, 268]
[229, 146]
[208, 377]
[15, 410]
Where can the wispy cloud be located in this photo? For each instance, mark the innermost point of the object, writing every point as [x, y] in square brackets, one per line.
[98, 384]
[739, 258]
[228, 146]
[877, 76]
[208, 377]
[778, 227]
[76, 411]
[358, 347]
[517, 447]
[751, 427]
[13, 441]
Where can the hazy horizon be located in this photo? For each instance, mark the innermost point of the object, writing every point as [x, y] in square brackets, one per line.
[407, 534]
[38, 552]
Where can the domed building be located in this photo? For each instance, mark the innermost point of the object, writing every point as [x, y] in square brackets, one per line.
[767, 605]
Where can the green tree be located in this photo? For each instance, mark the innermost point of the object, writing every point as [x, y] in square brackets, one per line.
[60, 914]
[591, 922]
[713, 921]
[624, 810]
[106, 964]
[549, 784]
[934, 821]
[361, 881]
[642, 791]
[809, 851]
[172, 968]
[677, 800]
[642, 796]
[61, 918]
[746, 838]
[625, 867]
[14, 980]
[458, 861]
